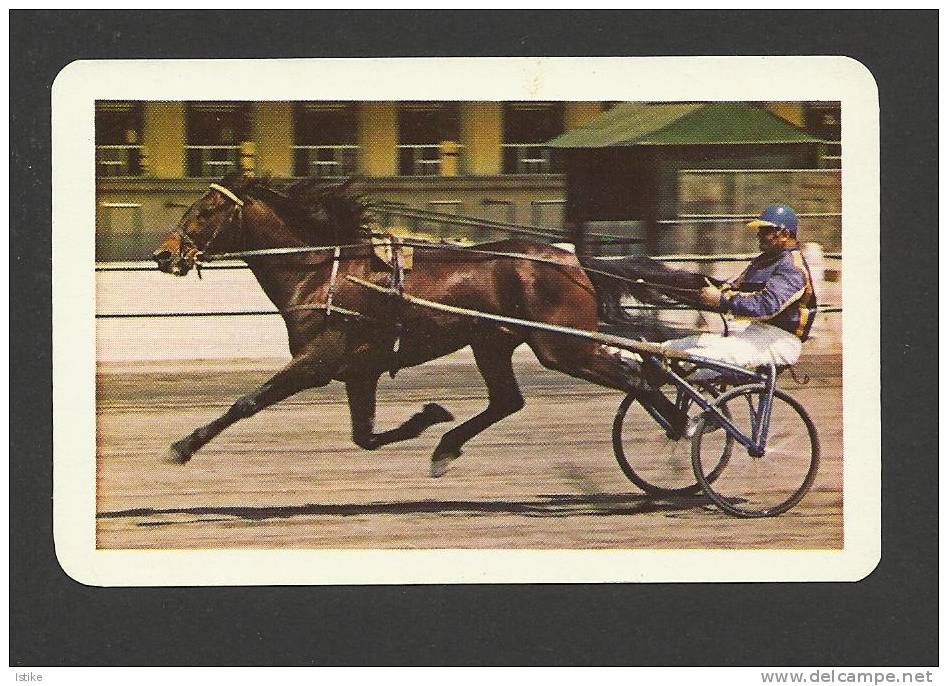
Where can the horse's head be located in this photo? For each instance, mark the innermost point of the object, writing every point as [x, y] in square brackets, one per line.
[211, 222]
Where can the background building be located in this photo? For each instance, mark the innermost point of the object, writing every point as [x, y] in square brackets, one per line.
[679, 175]
[482, 159]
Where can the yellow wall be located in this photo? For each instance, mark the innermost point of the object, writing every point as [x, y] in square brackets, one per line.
[578, 113]
[481, 131]
[273, 134]
[163, 137]
[481, 136]
[378, 138]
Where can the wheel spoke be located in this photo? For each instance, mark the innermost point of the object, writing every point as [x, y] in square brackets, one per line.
[768, 485]
[659, 465]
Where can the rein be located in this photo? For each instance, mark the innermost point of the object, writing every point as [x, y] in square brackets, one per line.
[200, 257]
[422, 245]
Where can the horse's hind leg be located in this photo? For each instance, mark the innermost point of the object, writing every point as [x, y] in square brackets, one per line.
[587, 360]
[361, 391]
[495, 362]
[603, 366]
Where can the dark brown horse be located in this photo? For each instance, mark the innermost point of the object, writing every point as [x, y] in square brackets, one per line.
[242, 214]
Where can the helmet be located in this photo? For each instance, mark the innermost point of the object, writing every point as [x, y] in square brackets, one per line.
[779, 217]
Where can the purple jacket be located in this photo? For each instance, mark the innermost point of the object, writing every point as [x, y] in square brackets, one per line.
[776, 289]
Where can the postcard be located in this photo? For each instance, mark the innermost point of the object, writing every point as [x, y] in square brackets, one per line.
[500, 320]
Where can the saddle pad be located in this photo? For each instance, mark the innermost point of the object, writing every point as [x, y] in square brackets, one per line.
[382, 246]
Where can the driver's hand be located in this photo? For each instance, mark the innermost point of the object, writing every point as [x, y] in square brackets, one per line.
[710, 296]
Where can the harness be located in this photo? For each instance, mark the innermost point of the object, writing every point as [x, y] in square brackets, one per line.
[190, 249]
[332, 279]
[398, 285]
[194, 253]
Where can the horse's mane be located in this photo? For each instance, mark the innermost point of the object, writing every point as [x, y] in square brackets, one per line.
[317, 213]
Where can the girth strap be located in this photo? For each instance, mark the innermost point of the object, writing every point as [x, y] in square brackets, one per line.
[398, 285]
[332, 279]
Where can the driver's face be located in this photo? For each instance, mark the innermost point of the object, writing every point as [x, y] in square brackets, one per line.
[770, 238]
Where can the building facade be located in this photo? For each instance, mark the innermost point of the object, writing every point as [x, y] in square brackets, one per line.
[682, 176]
[478, 159]
[481, 159]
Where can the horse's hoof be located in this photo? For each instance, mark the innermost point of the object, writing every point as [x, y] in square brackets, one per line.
[177, 455]
[441, 462]
[436, 414]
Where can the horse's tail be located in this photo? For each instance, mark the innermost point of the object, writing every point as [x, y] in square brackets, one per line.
[645, 279]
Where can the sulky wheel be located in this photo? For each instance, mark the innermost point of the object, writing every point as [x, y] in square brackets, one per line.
[653, 461]
[759, 486]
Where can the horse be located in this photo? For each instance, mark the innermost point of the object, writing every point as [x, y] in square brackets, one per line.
[363, 334]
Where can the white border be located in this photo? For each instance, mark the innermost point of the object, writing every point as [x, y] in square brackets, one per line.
[594, 79]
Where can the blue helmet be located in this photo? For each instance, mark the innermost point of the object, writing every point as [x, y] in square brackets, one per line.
[779, 217]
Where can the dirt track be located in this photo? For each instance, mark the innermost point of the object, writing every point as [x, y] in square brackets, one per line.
[291, 478]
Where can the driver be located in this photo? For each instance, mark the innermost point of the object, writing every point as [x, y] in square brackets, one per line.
[774, 296]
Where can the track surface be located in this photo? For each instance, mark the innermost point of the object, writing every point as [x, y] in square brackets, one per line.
[291, 478]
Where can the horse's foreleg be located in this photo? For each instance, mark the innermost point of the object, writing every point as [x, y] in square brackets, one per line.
[362, 397]
[298, 375]
[495, 362]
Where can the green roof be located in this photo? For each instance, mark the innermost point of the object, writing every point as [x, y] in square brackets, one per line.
[629, 124]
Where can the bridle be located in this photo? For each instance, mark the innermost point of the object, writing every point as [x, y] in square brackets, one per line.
[190, 250]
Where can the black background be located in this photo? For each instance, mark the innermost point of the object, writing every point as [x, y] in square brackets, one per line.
[887, 619]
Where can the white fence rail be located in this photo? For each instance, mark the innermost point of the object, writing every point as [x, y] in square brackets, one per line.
[145, 315]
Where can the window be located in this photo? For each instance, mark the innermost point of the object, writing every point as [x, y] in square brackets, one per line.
[325, 136]
[823, 120]
[527, 126]
[547, 213]
[118, 139]
[421, 129]
[214, 134]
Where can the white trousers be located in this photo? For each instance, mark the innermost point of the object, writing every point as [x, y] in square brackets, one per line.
[757, 345]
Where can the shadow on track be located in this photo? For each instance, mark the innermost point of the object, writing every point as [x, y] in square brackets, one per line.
[593, 505]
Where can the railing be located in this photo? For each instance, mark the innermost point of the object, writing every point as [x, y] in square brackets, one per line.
[832, 156]
[697, 218]
[527, 158]
[440, 207]
[137, 266]
[419, 160]
[211, 161]
[326, 160]
[118, 160]
[712, 200]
